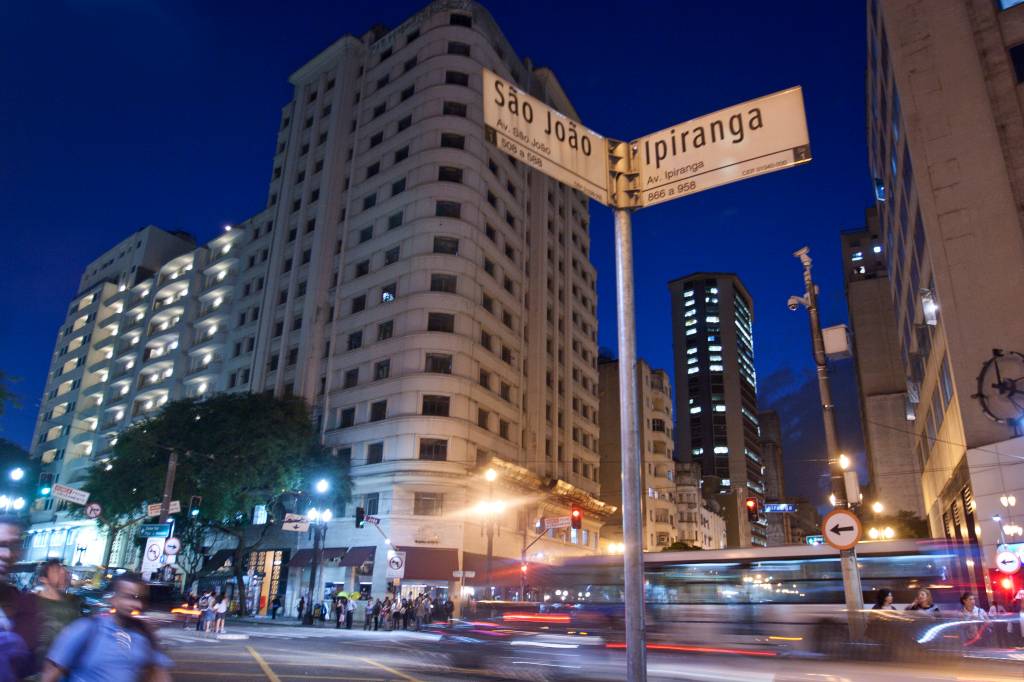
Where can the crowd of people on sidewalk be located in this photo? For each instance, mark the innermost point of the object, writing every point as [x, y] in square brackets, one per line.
[212, 611]
[391, 613]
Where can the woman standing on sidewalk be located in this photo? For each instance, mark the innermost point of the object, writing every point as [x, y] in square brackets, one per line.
[220, 613]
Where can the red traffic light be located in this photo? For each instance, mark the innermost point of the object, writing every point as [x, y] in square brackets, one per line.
[752, 514]
[576, 517]
[522, 568]
[751, 503]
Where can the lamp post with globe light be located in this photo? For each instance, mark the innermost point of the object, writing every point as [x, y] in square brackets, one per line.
[318, 520]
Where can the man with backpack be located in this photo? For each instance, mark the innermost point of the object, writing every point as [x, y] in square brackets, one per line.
[113, 646]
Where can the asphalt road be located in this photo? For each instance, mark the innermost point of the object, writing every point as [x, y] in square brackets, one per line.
[258, 653]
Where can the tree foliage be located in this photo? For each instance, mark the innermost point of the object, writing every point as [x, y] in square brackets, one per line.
[236, 451]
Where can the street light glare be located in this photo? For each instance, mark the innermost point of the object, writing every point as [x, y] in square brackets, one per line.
[17, 473]
[844, 462]
[878, 507]
[322, 486]
[313, 514]
[326, 515]
[490, 475]
[18, 504]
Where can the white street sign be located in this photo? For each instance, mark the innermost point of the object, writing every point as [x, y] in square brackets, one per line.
[172, 546]
[463, 574]
[537, 135]
[741, 142]
[296, 523]
[375, 520]
[557, 522]
[151, 557]
[65, 492]
[93, 510]
[396, 565]
[1007, 562]
[841, 528]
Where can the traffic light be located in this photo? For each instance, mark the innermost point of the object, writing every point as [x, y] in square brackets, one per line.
[45, 484]
[194, 503]
[360, 517]
[576, 517]
[522, 568]
[752, 514]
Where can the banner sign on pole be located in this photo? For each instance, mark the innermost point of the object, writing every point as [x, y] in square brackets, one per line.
[65, 492]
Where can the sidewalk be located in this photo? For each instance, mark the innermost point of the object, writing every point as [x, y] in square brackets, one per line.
[357, 627]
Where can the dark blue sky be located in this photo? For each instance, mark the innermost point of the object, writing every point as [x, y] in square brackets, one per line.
[115, 114]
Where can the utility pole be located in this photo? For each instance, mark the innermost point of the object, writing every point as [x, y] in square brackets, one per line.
[847, 557]
[165, 502]
[632, 514]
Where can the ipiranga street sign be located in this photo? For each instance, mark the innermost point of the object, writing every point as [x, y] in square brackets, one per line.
[743, 141]
[532, 132]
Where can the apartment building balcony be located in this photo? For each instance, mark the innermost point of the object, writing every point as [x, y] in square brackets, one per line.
[212, 367]
[112, 318]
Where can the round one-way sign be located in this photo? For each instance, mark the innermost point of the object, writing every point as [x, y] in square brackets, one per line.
[841, 529]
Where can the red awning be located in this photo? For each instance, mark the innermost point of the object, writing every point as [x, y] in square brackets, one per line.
[430, 563]
[304, 557]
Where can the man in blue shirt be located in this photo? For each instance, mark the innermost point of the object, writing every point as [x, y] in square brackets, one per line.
[110, 647]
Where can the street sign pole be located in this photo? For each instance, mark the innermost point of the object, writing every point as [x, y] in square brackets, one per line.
[847, 557]
[165, 503]
[632, 514]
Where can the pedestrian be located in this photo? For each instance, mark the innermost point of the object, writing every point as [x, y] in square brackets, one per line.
[349, 612]
[405, 613]
[57, 609]
[422, 609]
[19, 626]
[339, 612]
[385, 613]
[923, 602]
[449, 610]
[302, 605]
[110, 646]
[275, 604]
[376, 614]
[883, 600]
[976, 620]
[204, 606]
[220, 613]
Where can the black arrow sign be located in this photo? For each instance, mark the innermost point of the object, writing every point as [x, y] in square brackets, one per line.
[1004, 562]
[841, 529]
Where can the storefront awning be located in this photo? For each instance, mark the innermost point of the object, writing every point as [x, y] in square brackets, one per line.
[304, 557]
[357, 556]
[430, 563]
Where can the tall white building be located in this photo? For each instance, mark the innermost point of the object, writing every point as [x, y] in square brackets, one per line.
[155, 319]
[431, 298]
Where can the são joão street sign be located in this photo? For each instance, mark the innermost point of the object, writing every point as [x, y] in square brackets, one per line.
[532, 132]
[737, 143]
[841, 528]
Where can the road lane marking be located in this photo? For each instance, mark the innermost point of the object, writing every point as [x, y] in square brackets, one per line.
[271, 675]
[390, 670]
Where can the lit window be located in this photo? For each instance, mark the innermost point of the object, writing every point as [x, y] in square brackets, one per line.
[713, 290]
[690, 302]
[688, 294]
[715, 358]
[715, 349]
[857, 255]
[719, 408]
[691, 351]
[692, 361]
[690, 313]
[691, 332]
[711, 318]
[698, 451]
[877, 248]
[715, 368]
[691, 322]
[695, 410]
[721, 450]
[693, 370]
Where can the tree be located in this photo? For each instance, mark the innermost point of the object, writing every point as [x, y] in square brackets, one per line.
[236, 451]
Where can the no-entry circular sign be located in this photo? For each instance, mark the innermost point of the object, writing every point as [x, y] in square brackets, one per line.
[93, 510]
[841, 529]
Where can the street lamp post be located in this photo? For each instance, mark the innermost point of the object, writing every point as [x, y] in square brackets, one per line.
[490, 475]
[848, 557]
[318, 520]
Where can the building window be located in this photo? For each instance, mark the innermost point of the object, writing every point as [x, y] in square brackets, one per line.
[408, 92]
[458, 48]
[455, 109]
[372, 169]
[402, 154]
[391, 255]
[482, 418]
[404, 123]
[369, 201]
[440, 363]
[351, 378]
[485, 379]
[397, 187]
[441, 322]
[358, 304]
[447, 245]
[388, 293]
[436, 405]
[385, 330]
[394, 220]
[434, 449]
[381, 370]
[456, 78]
[503, 428]
[374, 455]
[1017, 57]
[378, 410]
[443, 283]
[355, 340]
[347, 417]
[362, 268]
[376, 139]
[449, 174]
[452, 140]
[371, 502]
[427, 504]
[461, 20]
